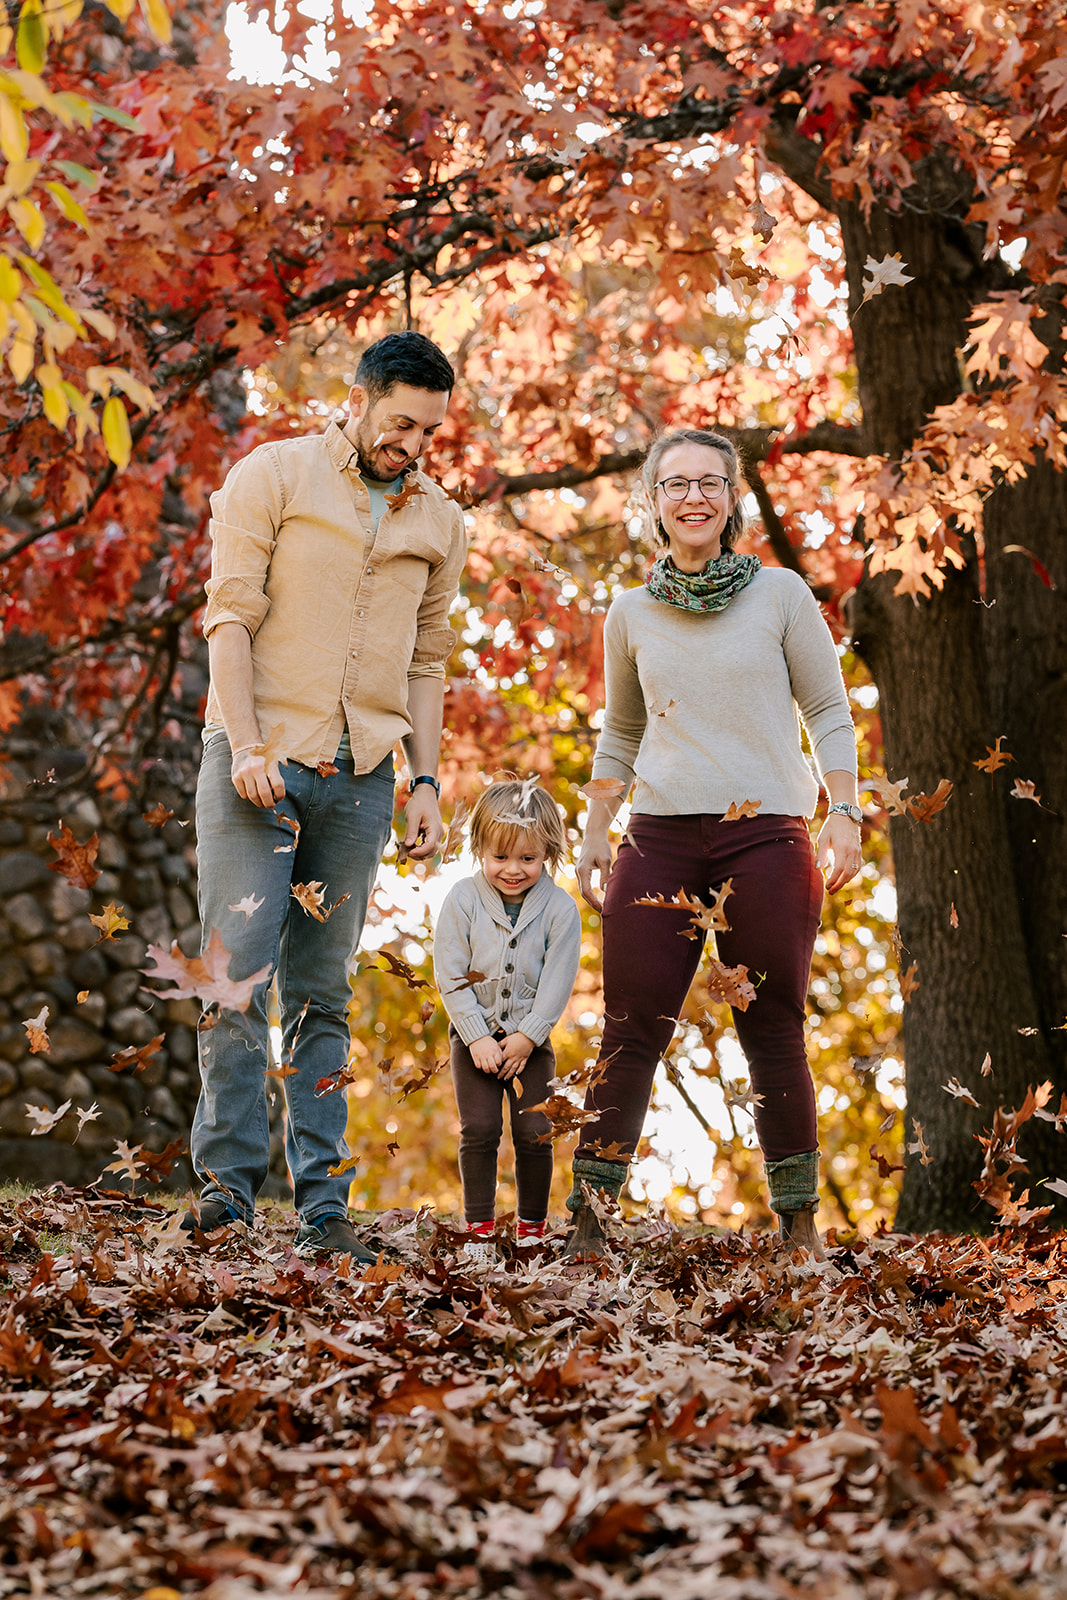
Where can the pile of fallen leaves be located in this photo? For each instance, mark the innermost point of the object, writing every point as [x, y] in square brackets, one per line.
[701, 1416]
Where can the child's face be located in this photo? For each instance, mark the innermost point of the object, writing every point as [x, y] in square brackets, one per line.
[514, 867]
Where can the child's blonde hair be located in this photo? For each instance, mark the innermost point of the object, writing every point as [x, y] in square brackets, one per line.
[511, 807]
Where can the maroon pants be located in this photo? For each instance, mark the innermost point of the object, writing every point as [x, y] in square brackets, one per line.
[773, 914]
[480, 1101]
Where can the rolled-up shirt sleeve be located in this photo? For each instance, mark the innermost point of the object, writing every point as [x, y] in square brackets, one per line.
[434, 639]
[246, 514]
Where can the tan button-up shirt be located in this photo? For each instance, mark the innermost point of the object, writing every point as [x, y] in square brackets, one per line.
[341, 617]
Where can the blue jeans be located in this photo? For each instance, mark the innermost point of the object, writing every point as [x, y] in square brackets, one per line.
[247, 851]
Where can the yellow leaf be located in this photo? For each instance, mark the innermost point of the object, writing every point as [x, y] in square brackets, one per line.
[156, 15]
[61, 13]
[5, 320]
[14, 135]
[27, 326]
[67, 204]
[116, 427]
[56, 408]
[6, 36]
[10, 280]
[19, 175]
[20, 359]
[32, 39]
[120, 8]
[138, 392]
[28, 220]
[99, 380]
[101, 322]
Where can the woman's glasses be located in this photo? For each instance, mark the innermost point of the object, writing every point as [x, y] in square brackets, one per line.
[710, 487]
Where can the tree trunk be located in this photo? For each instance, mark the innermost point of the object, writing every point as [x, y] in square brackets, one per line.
[951, 675]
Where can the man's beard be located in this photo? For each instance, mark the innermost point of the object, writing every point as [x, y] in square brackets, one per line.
[367, 466]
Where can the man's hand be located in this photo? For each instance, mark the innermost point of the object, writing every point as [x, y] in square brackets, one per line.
[486, 1055]
[424, 829]
[516, 1053]
[254, 780]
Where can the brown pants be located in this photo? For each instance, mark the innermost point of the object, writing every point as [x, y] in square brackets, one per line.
[480, 1100]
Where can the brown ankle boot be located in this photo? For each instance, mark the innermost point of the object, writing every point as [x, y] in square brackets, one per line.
[587, 1240]
[797, 1229]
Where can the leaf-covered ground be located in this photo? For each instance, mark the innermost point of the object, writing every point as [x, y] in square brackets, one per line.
[702, 1417]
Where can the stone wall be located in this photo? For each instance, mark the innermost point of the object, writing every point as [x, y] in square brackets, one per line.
[50, 953]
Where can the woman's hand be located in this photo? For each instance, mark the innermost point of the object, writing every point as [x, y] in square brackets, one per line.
[594, 856]
[838, 852]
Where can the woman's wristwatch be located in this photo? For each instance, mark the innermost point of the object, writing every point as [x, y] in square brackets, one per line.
[427, 779]
[853, 813]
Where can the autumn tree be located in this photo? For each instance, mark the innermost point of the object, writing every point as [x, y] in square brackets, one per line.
[834, 229]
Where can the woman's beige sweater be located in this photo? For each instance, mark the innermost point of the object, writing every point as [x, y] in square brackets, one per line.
[704, 708]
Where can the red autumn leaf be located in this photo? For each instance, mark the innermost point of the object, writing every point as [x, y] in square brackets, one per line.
[136, 1056]
[730, 986]
[923, 807]
[76, 860]
[406, 495]
[157, 816]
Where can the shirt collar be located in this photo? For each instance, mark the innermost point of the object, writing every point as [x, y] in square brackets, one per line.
[342, 452]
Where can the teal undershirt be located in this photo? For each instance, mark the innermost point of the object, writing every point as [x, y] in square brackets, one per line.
[377, 492]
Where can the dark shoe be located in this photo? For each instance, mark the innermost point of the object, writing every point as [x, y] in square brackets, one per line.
[213, 1214]
[587, 1240]
[333, 1236]
[797, 1230]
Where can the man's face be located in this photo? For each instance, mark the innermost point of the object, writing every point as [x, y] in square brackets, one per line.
[391, 432]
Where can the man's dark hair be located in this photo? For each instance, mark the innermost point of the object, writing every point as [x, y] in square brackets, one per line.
[408, 358]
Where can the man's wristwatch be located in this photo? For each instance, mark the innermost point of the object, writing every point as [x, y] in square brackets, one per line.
[853, 813]
[427, 779]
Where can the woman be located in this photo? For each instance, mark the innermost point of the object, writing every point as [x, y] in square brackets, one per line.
[706, 667]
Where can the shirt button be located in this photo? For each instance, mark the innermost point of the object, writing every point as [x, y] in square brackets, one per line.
[512, 943]
[509, 967]
[354, 654]
[370, 572]
[359, 613]
[507, 993]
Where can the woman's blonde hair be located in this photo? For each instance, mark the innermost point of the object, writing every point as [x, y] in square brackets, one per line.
[735, 522]
[511, 807]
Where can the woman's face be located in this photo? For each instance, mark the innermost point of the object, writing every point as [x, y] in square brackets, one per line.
[694, 523]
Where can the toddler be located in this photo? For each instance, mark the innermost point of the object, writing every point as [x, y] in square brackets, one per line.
[506, 952]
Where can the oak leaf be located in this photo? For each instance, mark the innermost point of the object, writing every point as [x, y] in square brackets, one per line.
[995, 757]
[880, 274]
[76, 860]
[136, 1056]
[712, 917]
[311, 897]
[729, 986]
[1024, 789]
[885, 1168]
[326, 769]
[110, 921]
[959, 1091]
[746, 808]
[157, 816]
[247, 906]
[468, 981]
[46, 1120]
[909, 983]
[918, 1146]
[36, 1032]
[412, 487]
[923, 807]
[453, 840]
[401, 969]
[204, 976]
[890, 794]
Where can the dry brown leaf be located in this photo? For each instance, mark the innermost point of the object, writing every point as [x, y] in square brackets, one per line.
[136, 1056]
[909, 983]
[157, 816]
[205, 976]
[924, 807]
[110, 921]
[746, 808]
[959, 1091]
[400, 969]
[76, 860]
[311, 897]
[729, 986]
[36, 1032]
[890, 794]
[995, 757]
[1024, 789]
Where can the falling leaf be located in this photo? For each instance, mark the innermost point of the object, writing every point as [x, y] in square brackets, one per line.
[885, 1169]
[283, 1072]
[429, 1070]
[311, 897]
[83, 995]
[157, 816]
[46, 1120]
[668, 707]
[995, 757]
[747, 808]
[880, 274]
[1039, 566]
[136, 1057]
[400, 969]
[959, 1091]
[608, 1152]
[205, 976]
[326, 769]
[763, 222]
[712, 917]
[35, 1032]
[247, 906]
[84, 1115]
[412, 487]
[290, 822]
[135, 1162]
[895, 939]
[75, 861]
[349, 1164]
[987, 1065]
[1023, 789]
[918, 1147]
[729, 986]
[909, 983]
[926, 806]
[469, 980]
[602, 789]
[953, 916]
[865, 1067]
[426, 1010]
[563, 1115]
[338, 1080]
[890, 794]
[454, 837]
[740, 1095]
[110, 921]
[1056, 1186]
[1059, 1117]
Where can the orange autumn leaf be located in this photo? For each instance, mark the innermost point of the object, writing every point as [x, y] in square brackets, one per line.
[924, 807]
[312, 897]
[157, 816]
[36, 1032]
[995, 757]
[730, 986]
[737, 811]
[110, 921]
[206, 977]
[136, 1056]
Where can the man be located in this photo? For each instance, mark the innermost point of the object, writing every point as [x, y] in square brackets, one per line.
[327, 629]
